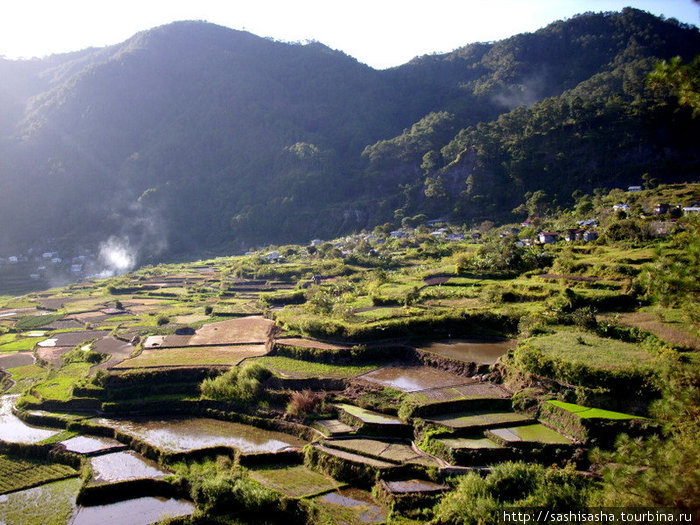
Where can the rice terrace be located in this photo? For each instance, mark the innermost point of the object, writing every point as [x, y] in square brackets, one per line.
[332, 386]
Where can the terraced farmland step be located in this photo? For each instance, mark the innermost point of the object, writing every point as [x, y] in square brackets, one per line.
[584, 412]
[355, 458]
[471, 451]
[333, 427]
[474, 397]
[369, 416]
[396, 452]
[469, 443]
[375, 423]
[474, 421]
[295, 481]
[528, 434]
[413, 486]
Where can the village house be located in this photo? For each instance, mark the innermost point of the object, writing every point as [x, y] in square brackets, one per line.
[398, 234]
[621, 206]
[588, 223]
[590, 236]
[548, 237]
[574, 234]
[634, 189]
[662, 208]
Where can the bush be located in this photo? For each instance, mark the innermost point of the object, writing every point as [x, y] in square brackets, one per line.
[512, 484]
[305, 402]
[585, 318]
[223, 493]
[236, 385]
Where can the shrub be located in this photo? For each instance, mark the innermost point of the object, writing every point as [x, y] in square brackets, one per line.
[223, 493]
[584, 318]
[476, 500]
[236, 385]
[305, 402]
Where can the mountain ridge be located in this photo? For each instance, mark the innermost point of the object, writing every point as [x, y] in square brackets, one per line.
[224, 139]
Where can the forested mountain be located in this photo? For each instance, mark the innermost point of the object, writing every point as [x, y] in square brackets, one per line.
[193, 137]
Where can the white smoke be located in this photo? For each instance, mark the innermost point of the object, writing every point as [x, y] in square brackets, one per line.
[524, 94]
[143, 237]
[116, 256]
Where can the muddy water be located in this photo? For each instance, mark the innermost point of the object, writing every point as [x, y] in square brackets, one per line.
[482, 351]
[89, 444]
[414, 378]
[360, 502]
[13, 429]
[139, 511]
[122, 466]
[181, 435]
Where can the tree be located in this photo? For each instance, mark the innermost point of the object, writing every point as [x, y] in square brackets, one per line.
[682, 80]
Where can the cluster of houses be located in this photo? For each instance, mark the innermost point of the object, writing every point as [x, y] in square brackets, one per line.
[584, 232]
[39, 263]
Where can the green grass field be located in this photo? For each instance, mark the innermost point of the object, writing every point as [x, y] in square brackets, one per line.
[50, 504]
[300, 368]
[585, 348]
[59, 384]
[17, 473]
[591, 413]
[295, 481]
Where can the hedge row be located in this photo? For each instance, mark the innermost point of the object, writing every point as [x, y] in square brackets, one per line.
[432, 325]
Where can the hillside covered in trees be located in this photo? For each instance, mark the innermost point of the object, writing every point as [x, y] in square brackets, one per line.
[192, 137]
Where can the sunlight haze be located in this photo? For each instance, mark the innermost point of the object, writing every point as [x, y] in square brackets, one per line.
[381, 34]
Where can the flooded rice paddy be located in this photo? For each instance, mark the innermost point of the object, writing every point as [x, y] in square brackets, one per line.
[184, 434]
[122, 466]
[91, 444]
[414, 378]
[50, 504]
[139, 511]
[13, 429]
[369, 416]
[482, 351]
[359, 502]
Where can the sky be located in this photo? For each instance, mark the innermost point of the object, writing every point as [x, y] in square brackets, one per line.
[380, 33]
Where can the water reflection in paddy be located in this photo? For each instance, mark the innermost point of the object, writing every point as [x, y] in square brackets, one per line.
[183, 434]
[13, 429]
[139, 511]
[122, 466]
[91, 444]
[365, 508]
[414, 378]
[483, 351]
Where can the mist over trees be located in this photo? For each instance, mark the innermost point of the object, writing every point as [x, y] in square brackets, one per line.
[196, 137]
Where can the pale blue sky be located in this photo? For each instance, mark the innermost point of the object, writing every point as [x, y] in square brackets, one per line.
[381, 33]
